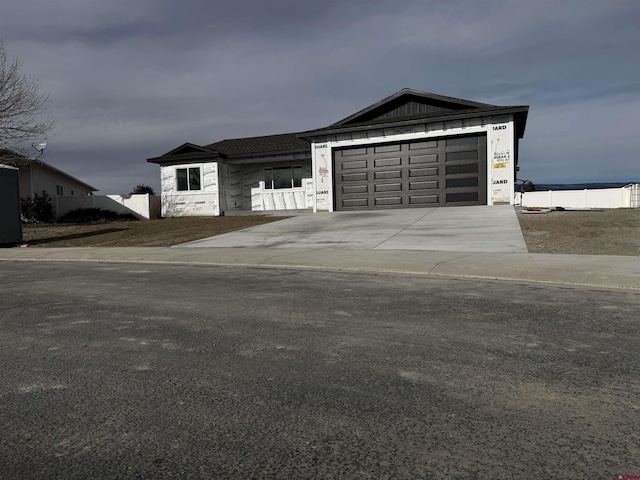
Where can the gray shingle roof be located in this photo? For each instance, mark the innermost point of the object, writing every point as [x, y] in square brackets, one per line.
[270, 143]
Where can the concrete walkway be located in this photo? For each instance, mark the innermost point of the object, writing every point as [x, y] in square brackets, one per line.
[459, 229]
[461, 242]
[596, 271]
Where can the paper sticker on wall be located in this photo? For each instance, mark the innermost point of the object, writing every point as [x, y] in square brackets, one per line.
[322, 184]
[501, 135]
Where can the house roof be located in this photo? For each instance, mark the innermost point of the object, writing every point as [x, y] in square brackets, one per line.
[405, 107]
[14, 159]
[236, 147]
[286, 142]
[408, 107]
[409, 100]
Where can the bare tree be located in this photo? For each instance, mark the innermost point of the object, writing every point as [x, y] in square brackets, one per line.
[21, 106]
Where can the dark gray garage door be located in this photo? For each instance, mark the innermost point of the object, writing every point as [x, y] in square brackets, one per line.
[439, 172]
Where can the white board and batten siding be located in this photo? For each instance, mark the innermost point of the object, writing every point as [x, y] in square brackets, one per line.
[500, 153]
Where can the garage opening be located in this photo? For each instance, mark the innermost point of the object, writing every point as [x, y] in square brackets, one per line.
[437, 172]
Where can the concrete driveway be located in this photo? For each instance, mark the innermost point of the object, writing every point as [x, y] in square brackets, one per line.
[459, 229]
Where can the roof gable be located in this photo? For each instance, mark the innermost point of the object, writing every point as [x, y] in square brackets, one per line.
[187, 149]
[408, 103]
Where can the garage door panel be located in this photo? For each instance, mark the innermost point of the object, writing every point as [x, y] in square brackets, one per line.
[423, 172]
[388, 187]
[352, 152]
[423, 145]
[387, 162]
[460, 197]
[462, 155]
[355, 177]
[461, 141]
[424, 199]
[355, 202]
[354, 189]
[388, 201]
[429, 185]
[435, 172]
[464, 168]
[418, 159]
[462, 182]
[354, 164]
[387, 148]
[387, 174]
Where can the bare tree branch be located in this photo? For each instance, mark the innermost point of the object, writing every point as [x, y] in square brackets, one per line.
[21, 106]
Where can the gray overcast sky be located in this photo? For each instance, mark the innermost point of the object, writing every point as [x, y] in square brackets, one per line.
[130, 80]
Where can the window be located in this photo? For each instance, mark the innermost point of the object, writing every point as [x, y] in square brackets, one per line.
[59, 190]
[282, 177]
[188, 178]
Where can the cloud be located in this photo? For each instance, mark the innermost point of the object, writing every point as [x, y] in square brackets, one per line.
[132, 80]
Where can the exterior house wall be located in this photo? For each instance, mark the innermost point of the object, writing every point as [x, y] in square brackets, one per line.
[233, 187]
[231, 198]
[37, 179]
[500, 153]
[257, 198]
[25, 182]
[195, 202]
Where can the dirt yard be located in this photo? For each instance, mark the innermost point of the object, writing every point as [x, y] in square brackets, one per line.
[144, 233]
[603, 232]
[606, 232]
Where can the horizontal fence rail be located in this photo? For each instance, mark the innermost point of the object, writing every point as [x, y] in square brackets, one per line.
[624, 197]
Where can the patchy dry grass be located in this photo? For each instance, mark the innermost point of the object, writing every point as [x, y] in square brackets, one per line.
[613, 231]
[144, 233]
[605, 232]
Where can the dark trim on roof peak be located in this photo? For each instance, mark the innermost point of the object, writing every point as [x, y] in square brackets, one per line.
[441, 102]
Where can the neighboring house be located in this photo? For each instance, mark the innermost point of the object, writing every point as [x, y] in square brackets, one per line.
[37, 177]
[412, 149]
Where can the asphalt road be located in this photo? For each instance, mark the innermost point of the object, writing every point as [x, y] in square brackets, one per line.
[164, 371]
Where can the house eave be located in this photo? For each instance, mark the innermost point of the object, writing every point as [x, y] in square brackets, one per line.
[186, 158]
[237, 156]
[270, 157]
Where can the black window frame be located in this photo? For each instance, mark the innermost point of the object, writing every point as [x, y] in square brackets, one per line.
[188, 179]
[270, 177]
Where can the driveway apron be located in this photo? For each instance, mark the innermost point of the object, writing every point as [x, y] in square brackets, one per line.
[459, 229]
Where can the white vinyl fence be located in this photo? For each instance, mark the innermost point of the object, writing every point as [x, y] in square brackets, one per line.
[143, 206]
[625, 197]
